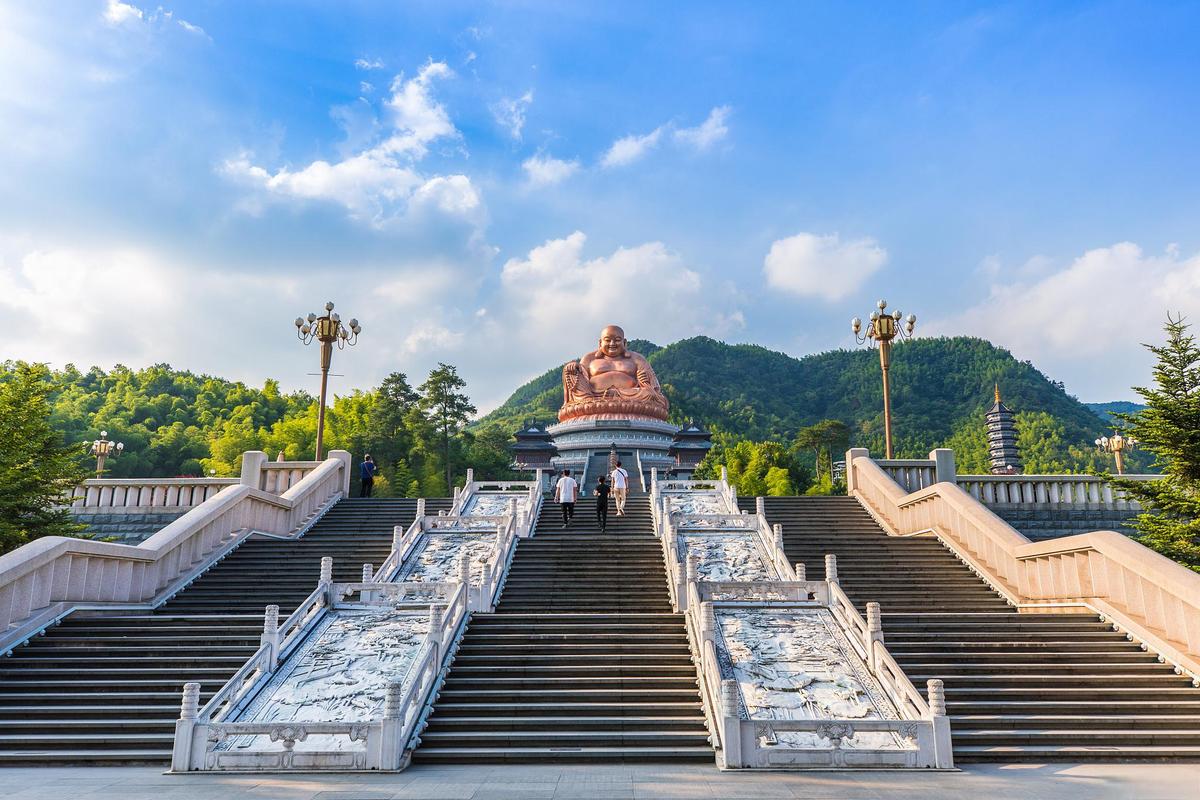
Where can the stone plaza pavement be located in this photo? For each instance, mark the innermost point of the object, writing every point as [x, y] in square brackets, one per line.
[530, 782]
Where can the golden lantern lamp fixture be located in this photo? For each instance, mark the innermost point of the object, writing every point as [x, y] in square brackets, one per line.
[104, 449]
[328, 330]
[883, 328]
[1117, 445]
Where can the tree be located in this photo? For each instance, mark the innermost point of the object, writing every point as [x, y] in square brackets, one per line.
[1169, 427]
[387, 431]
[824, 438]
[446, 407]
[37, 470]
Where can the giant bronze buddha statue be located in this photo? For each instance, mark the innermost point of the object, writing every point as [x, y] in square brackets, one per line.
[611, 381]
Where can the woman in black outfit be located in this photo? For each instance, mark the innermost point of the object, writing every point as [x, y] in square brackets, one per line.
[602, 490]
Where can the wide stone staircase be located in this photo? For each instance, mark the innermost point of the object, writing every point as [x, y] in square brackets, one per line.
[104, 687]
[583, 659]
[1019, 687]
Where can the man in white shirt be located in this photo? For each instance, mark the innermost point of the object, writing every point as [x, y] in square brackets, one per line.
[565, 492]
[620, 487]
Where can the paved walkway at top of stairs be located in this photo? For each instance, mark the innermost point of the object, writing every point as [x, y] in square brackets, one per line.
[583, 659]
[104, 687]
[1018, 686]
[601, 781]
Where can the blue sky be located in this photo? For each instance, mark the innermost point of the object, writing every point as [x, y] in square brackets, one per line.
[488, 185]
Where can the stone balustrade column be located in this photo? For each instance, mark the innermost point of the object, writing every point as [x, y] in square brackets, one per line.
[874, 633]
[420, 507]
[270, 634]
[760, 506]
[708, 621]
[464, 567]
[470, 476]
[831, 574]
[436, 616]
[937, 697]
[512, 511]
[731, 739]
[190, 707]
[777, 529]
[397, 537]
[801, 571]
[391, 700]
[724, 475]
[693, 572]
[326, 581]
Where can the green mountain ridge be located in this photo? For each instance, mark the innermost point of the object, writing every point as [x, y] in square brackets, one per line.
[941, 388]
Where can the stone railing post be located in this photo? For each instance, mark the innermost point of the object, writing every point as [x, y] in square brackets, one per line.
[420, 507]
[470, 477]
[777, 530]
[436, 613]
[270, 634]
[708, 622]
[512, 512]
[943, 748]
[326, 580]
[253, 462]
[874, 633]
[389, 750]
[801, 572]
[693, 572]
[189, 710]
[368, 572]
[539, 478]
[851, 454]
[731, 723]
[760, 506]
[944, 469]
[344, 457]
[724, 475]
[831, 575]
[397, 537]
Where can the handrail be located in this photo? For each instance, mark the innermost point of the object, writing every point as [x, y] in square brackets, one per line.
[1155, 599]
[61, 573]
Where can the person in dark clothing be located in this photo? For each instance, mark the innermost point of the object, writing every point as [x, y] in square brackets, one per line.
[602, 490]
[366, 471]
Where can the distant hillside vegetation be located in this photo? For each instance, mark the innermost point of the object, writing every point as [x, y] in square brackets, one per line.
[1106, 410]
[941, 388]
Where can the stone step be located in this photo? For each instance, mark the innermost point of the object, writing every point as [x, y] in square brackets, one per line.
[539, 755]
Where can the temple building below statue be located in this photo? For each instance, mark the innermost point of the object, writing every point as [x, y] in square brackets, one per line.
[612, 400]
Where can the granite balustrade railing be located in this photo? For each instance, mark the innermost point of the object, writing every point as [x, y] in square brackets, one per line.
[1150, 597]
[528, 507]
[388, 739]
[738, 738]
[1065, 492]
[52, 576]
[144, 495]
[480, 597]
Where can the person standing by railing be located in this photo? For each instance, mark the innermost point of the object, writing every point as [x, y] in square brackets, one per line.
[366, 471]
[620, 487]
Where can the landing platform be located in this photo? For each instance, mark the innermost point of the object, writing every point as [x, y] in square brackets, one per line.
[531, 782]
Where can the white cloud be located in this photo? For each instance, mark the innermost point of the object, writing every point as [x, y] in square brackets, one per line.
[118, 13]
[509, 113]
[418, 119]
[1084, 323]
[190, 28]
[432, 336]
[648, 289]
[362, 63]
[812, 265]
[379, 183]
[547, 170]
[707, 133]
[365, 88]
[628, 149]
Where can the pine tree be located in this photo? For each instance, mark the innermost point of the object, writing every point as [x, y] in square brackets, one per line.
[37, 470]
[447, 407]
[1169, 427]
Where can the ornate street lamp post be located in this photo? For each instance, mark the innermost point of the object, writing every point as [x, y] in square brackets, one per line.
[1116, 444]
[327, 330]
[883, 329]
[103, 450]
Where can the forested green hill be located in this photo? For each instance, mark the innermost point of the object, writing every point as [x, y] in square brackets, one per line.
[941, 388]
